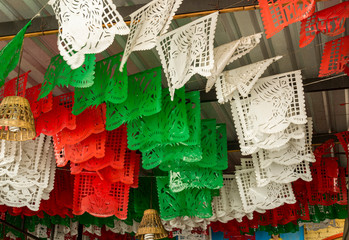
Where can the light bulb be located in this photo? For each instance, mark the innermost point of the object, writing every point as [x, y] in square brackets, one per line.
[149, 236]
[14, 129]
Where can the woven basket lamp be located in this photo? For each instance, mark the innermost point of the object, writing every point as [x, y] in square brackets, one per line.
[16, 119]
[151, 227]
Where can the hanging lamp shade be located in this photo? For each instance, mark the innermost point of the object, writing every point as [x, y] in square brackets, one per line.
[151, 226]
[16, 119]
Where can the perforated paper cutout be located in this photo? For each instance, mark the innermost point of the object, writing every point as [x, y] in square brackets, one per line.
[86, 27]
[188, 50]
[271, 196]
[147, 23]
[278, 15]
[335, 58]
[329, 21]
[228, 53]
[242, 79]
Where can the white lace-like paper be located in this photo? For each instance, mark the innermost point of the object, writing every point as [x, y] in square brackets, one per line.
[272, 113]
[147, 23]
[242, 79]
[188, 50]
[61, 231]
[51, 181]
[186, 223]
[86, 27]
[295, 151]
[228, 53]
[187, 235]
[228, 204]
[40, 231]
[269, 197]
[122, 228]
[32, 179]
[273, 142]
[93, 229]
[12, 156]
[279, 173]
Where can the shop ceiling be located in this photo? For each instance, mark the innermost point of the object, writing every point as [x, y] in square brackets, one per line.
[327, 99]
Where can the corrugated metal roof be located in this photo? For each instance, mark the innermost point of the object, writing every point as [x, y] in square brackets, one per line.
[327, 108]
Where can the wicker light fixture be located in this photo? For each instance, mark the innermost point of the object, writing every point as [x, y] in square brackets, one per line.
[151, 227]
[16, 119]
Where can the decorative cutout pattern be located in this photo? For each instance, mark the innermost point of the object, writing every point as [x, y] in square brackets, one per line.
[86, 27]
[294, 152]
[110, 85]
[278, 15]
[271, 196]
[99, 198]
[60, 74]
[188, 50]
[329, 21]
[228, 53]
[335, 58]
[143, 99]
[194, 202]
[147, 23]
[272, 113]
[242, 79]
[38, 107]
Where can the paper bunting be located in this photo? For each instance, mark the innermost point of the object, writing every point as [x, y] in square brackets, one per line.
[41, 106]
[272, 114]
[194, 202]
[54, 121]
[166, 127]
[294, 152]
[110, 85]
[59, 73]
[188, 50]
[195, 178]
[143, 99]
[86, 28]
[228, 53]
[100, 198]
[278, 15]
[281, 173]
[253, 197]
[329, 21]
[335, 57]
[242, 79]
[10, 87]
[147, 23]
[10, 54]
[31, 174]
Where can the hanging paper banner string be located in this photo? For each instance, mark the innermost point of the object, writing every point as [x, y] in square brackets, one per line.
[100, 198]
[335, 58]
[241, 79]
[83, 31]
[166, 127]
[188, 150]
[110, 85]
[147, 23]
[188, 50]
[59, 73]
[52, 122]
[277, 15]
[38, 107]
[10, 54]
[143, 99]
[193, 202]
[113, 153]
[329, 21]
[228, 53]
